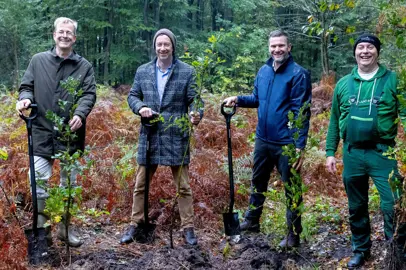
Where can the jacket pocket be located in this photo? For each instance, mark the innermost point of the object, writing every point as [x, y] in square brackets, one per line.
[277, 127]
[263, 83]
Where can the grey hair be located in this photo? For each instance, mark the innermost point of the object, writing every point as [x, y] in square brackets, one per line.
[66, 20]
[279, 33]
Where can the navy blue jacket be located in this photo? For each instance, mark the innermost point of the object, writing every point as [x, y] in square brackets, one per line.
[275, 94]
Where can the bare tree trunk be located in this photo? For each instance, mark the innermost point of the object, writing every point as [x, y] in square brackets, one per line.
[16, 81]
[324, 49]
[324, 56]
[157, 13]
[231, 15]
[146, 35]
[99, 50]
[190, 14]
[86, 46]
[315, 56]
[213, 14]
[221, 10]
[145, 12]
[199, 14]
[108, 33]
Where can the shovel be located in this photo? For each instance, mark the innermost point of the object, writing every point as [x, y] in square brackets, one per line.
[147, 228]
[37, 243]
[231, 222]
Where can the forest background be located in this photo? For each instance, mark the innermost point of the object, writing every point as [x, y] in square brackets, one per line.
[116, 36]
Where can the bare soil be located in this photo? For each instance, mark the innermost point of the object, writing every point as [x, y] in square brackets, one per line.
[102, 250]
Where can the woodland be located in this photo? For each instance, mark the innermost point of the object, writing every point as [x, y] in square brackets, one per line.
[226, 42]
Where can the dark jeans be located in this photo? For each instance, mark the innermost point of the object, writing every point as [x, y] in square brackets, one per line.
[266, 157]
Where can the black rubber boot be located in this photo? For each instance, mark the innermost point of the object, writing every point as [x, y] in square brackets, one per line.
[358, 259]
[290, 241]
[190, 237]
[130, 235]
[250, 225]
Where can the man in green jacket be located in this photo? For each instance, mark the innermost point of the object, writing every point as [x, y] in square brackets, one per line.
[364, 113]
[41, 84]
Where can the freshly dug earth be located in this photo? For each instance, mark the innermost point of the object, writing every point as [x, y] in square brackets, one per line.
[101, 250]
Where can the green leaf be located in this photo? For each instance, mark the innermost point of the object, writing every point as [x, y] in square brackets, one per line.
[403, 22]
[323, 6]
[305, 29]
[350, 29]
[400, 41]
[3, 154]
[212, 39]
[349, 3]
[319, 31]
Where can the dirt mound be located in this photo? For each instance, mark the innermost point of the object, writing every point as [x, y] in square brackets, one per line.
[254, 251]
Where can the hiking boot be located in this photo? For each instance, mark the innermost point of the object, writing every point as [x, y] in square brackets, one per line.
[130, 235]
[190, 237]
[358, 259]
[249, 225]
[290, 241]
[73, 238]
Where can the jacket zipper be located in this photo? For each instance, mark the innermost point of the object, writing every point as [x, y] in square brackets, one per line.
[267, 104]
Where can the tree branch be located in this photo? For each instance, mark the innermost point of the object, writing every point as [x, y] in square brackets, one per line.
[302, 34]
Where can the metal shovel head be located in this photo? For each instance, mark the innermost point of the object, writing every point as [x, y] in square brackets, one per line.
[146, 233]
[231, 224]
[37, 246]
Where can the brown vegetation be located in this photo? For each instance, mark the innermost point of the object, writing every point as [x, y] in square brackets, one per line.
[112, 132]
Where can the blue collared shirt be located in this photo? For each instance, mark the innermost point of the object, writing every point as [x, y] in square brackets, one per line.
[161, 79]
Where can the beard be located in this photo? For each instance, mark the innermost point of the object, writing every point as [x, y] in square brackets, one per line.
[281, 59]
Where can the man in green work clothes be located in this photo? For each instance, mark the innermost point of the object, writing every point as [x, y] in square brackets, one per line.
[364, 112]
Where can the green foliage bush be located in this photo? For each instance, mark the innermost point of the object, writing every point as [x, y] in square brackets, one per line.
[231, 58]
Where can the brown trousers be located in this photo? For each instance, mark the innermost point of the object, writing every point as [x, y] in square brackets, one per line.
[185, 201]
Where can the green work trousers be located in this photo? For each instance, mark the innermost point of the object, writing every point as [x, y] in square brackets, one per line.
[359, 165]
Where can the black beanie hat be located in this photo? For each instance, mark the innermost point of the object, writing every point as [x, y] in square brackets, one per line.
[370, 39]
[168, 33]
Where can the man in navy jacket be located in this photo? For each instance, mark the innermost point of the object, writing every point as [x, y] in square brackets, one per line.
[281, 86]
